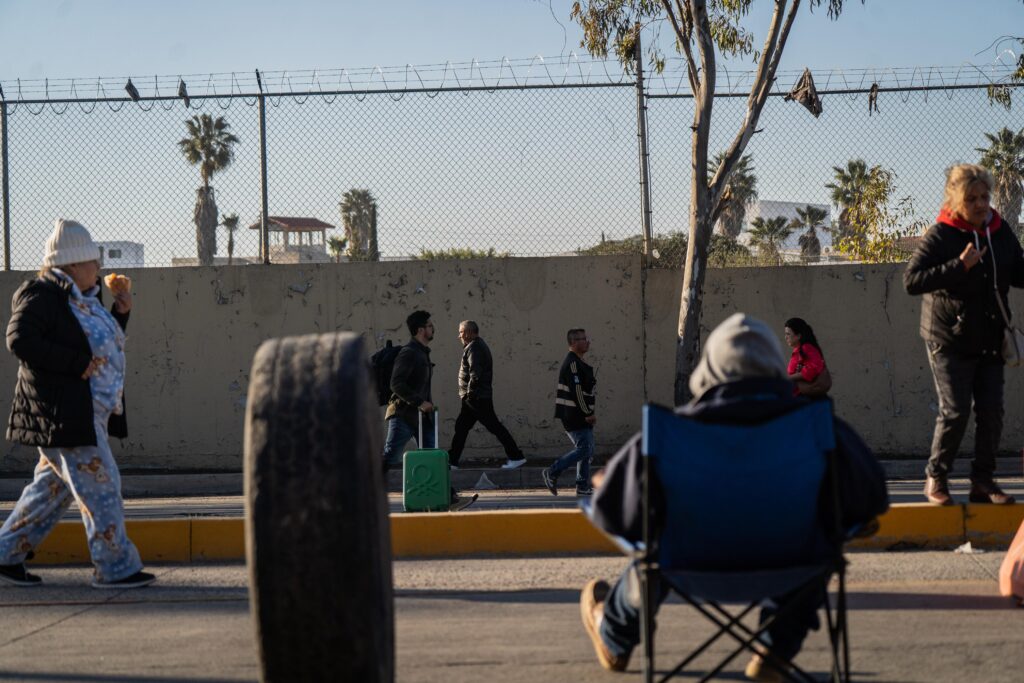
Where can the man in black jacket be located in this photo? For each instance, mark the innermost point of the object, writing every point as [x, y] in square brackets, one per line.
[964, 267]
[410, 397]
[740, 379]
[477, 398]
[574, 406]
[410, 391]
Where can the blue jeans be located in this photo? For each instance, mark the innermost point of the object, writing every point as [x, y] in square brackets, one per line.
[620, 628]
[399, 433]
[581, 455]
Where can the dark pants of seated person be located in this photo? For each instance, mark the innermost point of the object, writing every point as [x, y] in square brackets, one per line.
[620, 628]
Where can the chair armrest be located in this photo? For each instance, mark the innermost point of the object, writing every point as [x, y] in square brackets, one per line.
[635, 550]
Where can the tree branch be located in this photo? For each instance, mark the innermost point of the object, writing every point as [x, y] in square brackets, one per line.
[704, 98]
[758, 94]
[684, 42]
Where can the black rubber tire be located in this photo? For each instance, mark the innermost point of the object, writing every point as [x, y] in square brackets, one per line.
[318, 540]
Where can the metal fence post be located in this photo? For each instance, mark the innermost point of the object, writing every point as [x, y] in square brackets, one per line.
[264, 218]
[641, 134]
[6, 169]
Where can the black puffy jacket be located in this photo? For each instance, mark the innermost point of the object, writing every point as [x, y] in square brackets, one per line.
[960, 310]
[52, 403]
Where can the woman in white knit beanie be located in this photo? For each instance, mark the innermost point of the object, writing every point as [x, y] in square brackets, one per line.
[68, 398]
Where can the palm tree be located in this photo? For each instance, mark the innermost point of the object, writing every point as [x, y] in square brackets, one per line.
[336, 245]
[359, 216]
[1004, 157]
[767, 234]
[812, 218]
[230, 223]
[209, 146]
[739, 192]
[850, 185]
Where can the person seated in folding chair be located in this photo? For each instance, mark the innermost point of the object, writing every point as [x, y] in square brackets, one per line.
[740, 381]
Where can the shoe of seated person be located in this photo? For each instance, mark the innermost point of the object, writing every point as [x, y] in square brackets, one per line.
[136, 580]
[758, 669]
[592, 612]
[17, 575]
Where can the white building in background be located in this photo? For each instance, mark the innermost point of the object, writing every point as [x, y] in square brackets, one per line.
[119, 254]
[790, 249]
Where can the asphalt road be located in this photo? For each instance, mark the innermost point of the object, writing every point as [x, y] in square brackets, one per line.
[929, 616]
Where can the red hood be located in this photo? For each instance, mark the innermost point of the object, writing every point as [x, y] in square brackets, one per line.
[955, 221]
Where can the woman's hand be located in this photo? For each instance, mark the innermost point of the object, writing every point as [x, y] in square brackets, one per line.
[123, 302]
[971, 256]
[94, 365]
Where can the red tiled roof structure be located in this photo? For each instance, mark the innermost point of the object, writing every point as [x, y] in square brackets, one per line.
[293, 224]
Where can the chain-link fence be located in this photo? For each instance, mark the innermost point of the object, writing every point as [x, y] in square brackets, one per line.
[507, 158]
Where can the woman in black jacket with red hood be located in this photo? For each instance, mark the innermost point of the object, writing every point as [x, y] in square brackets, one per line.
[966, 260]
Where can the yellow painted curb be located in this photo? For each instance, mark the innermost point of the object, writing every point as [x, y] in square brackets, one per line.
[500, 532]
[158, 540]
[993, 526]
[916, 525]
[518, 533]
[218, 539]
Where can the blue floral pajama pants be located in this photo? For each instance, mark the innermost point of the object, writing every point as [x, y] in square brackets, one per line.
[89, 475]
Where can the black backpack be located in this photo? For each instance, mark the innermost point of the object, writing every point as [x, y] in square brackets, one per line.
[383, 363]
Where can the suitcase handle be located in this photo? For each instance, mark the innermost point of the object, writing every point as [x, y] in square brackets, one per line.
[437, 419]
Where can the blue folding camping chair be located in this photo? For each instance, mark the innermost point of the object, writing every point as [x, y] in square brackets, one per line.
[742, 523]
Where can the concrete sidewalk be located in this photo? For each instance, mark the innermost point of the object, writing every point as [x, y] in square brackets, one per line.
[932, 617]
[166, 485]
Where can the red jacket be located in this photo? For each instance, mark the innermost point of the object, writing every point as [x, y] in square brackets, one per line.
[808, 361]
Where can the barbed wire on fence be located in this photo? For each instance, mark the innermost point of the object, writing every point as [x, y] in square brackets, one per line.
[536, 72]
[523, 157]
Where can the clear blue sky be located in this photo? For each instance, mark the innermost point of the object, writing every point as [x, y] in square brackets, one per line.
[89, 38]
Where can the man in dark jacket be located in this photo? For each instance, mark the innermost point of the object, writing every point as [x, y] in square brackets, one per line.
[574, 406]
[964, 267]
[410, 398]
[741, 379]
[410, 391]
[477, 398]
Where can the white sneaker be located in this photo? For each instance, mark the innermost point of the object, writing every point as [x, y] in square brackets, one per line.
[453, 467]
[514, 464]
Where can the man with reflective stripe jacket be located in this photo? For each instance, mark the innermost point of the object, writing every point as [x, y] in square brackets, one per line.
[574, 406]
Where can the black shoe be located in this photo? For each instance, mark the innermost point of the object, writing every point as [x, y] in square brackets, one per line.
[463, 502]
[588, 491]
[136, 580]
[16, 574]
[550, 481]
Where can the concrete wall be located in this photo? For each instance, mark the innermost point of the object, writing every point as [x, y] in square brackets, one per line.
[194, 331]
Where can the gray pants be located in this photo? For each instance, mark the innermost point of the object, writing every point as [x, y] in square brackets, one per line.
[959, 380]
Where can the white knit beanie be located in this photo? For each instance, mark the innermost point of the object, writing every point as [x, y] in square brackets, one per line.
[740, 347]
[69, 242]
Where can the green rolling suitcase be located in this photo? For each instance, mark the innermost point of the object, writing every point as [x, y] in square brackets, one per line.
[426, 477]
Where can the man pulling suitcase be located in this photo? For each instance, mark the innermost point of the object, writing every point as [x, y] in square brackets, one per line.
[410, 398]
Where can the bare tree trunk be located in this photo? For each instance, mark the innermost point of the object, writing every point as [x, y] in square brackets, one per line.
[691, 301]
[205, 218]
[706, 193]
[231, 247]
